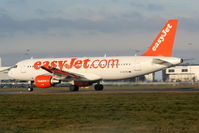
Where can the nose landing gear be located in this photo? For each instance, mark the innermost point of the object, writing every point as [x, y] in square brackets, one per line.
[30, 88]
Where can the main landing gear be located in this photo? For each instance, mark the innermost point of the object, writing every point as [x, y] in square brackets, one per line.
[99, 87]
[74, 88]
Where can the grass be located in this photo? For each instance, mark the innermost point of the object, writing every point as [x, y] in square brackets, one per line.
[100, 113]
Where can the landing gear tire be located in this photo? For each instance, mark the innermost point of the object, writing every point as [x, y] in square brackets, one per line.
[30, 89]
[74, 88]
[99, 87]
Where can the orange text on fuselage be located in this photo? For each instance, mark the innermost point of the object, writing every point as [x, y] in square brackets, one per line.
[78, 63]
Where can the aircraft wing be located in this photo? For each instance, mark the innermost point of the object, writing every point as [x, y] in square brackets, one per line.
[70, 75]
[59, 72]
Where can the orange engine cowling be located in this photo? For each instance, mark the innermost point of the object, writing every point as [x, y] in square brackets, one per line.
[45, 81]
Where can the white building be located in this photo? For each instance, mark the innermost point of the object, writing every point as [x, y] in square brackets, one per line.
[182, 73]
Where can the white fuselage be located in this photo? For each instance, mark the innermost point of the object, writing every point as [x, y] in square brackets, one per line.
[93, 68]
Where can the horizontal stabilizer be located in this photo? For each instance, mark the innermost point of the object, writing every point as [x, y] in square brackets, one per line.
[162, 62]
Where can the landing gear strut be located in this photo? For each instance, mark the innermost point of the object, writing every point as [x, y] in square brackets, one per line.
[74, 88]
[30, 88]
[99, 87]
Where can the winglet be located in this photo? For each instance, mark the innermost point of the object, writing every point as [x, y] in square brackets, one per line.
[163, 44]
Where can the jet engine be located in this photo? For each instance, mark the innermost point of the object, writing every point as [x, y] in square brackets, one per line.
[45, 81]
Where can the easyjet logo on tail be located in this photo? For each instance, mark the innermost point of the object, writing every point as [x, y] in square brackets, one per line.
[162, 37]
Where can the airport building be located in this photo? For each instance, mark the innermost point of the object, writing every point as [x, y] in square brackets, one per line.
[181, 73]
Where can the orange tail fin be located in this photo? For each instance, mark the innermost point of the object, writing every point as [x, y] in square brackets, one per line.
[163, 44]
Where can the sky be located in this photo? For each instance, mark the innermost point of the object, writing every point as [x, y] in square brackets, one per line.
[65, 28]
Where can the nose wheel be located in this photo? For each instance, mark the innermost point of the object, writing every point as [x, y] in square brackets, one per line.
[30, 89]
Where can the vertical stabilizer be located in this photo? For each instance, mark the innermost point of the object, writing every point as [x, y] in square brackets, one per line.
[163, 44]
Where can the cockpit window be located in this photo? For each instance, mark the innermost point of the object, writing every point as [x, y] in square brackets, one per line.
[15, 66]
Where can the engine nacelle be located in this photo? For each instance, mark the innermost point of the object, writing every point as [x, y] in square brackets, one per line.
[45, 81]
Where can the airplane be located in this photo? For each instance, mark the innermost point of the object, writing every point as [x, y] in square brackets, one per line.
[88, 71]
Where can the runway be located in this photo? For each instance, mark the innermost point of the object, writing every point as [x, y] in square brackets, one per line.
[82, 91]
